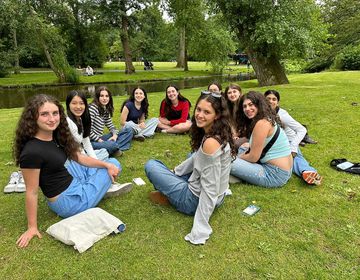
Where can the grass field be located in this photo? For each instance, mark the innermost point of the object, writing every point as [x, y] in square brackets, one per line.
[301, 232]
[114, 72]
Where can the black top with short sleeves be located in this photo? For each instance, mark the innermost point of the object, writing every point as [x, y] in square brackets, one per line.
[49, 158]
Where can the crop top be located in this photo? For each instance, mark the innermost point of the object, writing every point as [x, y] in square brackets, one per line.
[280, 148]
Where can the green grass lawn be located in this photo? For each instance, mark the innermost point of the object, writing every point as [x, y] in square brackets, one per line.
[301, 232]
[163, 70]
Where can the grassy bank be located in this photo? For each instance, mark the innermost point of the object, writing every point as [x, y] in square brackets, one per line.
[162, 70]
[299, 233]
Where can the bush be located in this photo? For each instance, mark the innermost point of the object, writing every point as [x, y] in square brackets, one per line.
[348, 58]
[72, 76]
[294, 65]
[318, 64]
[5, 65]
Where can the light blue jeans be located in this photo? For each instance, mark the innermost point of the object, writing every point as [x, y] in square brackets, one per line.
[263, 175]
[148, 131]
[122, 142]
[101, 154]
[300, 164]
[87, 188]
[174, 187]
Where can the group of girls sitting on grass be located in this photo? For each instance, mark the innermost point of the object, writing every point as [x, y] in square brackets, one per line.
[75, 178]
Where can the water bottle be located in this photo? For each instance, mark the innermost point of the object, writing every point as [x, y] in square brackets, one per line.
[121, 227]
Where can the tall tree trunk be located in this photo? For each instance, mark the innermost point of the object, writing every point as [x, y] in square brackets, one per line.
[60, 74]
[182, 49]
[17, 63]
[268, 69]
[124, 36]
[186, 66]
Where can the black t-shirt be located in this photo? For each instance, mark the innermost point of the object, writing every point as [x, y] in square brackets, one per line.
[50, 159]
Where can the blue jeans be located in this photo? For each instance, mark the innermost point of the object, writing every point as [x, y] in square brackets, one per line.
[122, 142]
[87, 188]
[174, 187]
[300, 164]
[148, 131]
[264, 175]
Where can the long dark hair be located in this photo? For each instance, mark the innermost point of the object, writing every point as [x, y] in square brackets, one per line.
[246, 125]
[109, 108]
[233, 107]
[85, 125]
[168, 103]
[27, 128]
[144, 103]
[220, 129]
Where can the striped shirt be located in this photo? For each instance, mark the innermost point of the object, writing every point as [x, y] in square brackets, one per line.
[98, 123]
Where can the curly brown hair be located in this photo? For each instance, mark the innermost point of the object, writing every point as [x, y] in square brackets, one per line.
[220, 129]
[245, 125]
[27, 128]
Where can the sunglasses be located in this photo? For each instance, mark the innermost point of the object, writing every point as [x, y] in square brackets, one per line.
[213, 94]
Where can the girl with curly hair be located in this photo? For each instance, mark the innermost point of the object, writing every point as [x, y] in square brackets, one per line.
[43, 142]
[174, 112]
[198, 185]
[134, 113]
[266, 160]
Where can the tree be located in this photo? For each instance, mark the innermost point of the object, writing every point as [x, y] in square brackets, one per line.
[119, 13]
[212, 43]
[13, 15]
[85, 36]
[152, 37]
[42, 25]
[269, 30]
[188, 15]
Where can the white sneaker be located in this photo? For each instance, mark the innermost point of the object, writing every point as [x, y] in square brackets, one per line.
[14, 179]
[20, 187]
[117, 189]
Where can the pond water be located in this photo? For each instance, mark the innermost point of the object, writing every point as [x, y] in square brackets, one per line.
[16, 97]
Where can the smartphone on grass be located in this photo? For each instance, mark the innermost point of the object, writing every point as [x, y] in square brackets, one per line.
[345, 165]
[138, 181]
[251, 210]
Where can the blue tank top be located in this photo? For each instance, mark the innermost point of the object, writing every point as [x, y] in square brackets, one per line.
[281, 147]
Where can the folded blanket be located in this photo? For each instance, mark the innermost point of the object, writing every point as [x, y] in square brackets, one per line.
[86, 228]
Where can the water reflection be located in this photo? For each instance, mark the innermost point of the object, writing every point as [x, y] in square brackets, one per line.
[16, 97]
